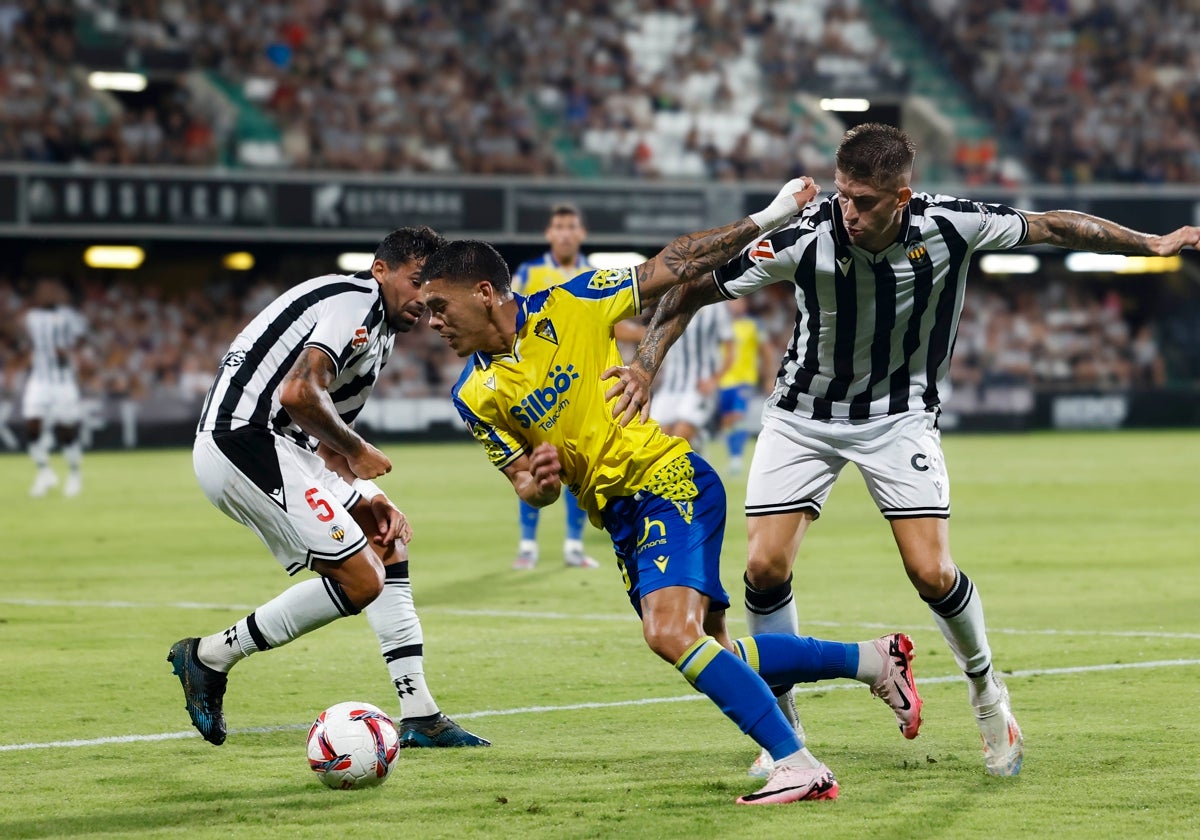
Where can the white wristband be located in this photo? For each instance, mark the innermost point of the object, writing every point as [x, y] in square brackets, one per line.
[367, 489]
[782, 207]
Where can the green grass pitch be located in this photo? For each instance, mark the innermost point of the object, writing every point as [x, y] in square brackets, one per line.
[1085, 548]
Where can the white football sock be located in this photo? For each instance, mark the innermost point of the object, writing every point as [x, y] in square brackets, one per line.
[394, 619]
[298, 610]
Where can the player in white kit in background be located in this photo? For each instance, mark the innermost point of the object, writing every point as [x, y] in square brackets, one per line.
[51, 405]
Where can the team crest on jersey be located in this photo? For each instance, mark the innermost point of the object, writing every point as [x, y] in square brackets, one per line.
[337, 532]
[916, 252]
[545, 329]
[233, 359]
[762, 251]
[608, 278]
[360, 338]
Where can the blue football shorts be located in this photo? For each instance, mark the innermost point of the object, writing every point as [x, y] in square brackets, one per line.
[662, 543]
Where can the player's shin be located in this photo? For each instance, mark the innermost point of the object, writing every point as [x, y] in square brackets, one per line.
[394, 619]
[787, 658]
[959, 615]
[298, 610]
[744, 698]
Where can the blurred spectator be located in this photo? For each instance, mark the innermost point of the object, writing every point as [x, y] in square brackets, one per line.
[1091, 91]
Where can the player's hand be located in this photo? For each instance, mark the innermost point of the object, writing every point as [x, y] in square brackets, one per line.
[792, 198]
[546, 470]
[633, 389]
[369, 462]
[391, 523]
[1172, 243]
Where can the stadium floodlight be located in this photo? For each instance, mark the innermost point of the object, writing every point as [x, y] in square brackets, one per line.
[845, 104]
[352, 261]
[1009, 264]
[114, 256]
[1151, 265]
[1120, 264]
[1083, 261]
[130, 82]
[615, 259]
[238, 261]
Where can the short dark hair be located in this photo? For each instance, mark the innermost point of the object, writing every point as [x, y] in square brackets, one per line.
[565, 208]
[876, 153]
[467, 261]
[409, 243]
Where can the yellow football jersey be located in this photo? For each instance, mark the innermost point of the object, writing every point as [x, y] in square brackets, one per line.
[744, 368]
[540, 274]
[549, 389]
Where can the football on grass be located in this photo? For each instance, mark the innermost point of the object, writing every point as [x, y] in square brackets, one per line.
[352, 745]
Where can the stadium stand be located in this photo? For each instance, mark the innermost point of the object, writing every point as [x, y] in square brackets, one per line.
[1090, 90]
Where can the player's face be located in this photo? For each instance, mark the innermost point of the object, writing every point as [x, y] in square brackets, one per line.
[461, 314]
[871, 212]
[565, 233]
[401, 290]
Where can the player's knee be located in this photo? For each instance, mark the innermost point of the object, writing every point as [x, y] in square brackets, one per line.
[932, 580]
[365, 586]
[670, 638]
[768, 570]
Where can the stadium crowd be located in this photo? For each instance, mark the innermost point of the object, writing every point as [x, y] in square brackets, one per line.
[1091, 90]
[640, 87]
[146, 344]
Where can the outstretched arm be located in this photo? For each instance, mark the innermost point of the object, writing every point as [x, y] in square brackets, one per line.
[694, 255]
[679, 274]
[1071, 229]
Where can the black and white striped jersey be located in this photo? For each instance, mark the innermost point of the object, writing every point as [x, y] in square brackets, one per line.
[53, 334]
[697, 354]
[342, 315]
[874, 332]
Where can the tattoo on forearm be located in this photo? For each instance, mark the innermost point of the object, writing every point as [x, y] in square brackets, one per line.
[1071, 229]
[694, 254]
[670, 320]
[315, 412]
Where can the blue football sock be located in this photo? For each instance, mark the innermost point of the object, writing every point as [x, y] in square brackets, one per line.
[781, 658]
[529, 521]
[576, 518]
[740, 694]
[736, 441]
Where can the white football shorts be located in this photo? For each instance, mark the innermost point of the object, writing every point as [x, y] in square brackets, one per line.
[298, 507]
[797, 460]
[54, 403]
[692, 407]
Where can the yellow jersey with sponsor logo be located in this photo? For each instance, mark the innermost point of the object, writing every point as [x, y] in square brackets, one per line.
[540, 274]
[548, 389]
[743, 370]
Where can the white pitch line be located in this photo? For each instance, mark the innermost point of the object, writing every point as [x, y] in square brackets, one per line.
[561, 616]
[647, 701]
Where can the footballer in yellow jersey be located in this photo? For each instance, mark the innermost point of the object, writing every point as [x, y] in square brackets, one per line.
[548, 389]
[740, 382]
[565, 232]
[533, 394]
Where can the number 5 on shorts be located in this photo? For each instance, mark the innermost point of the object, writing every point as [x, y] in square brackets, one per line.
[324, 511]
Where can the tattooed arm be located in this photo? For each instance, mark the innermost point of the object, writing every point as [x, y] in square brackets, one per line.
[671, 318]
[680, 275]
[1070, 229]
[693, 255]
[305, 395]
